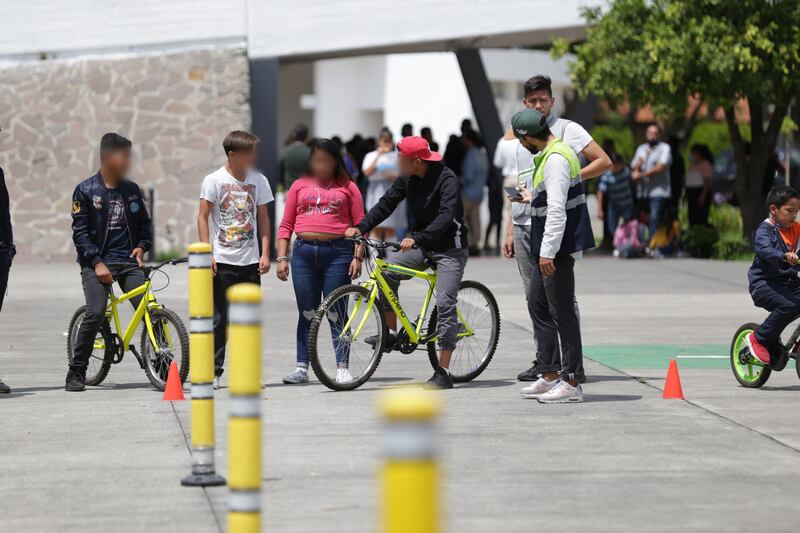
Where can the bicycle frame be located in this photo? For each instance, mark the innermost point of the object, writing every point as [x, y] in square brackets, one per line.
[148, 302]
[377, 282]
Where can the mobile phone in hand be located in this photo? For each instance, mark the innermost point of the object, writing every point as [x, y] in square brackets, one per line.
[513, 193]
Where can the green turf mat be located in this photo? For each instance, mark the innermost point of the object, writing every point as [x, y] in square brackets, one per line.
[652, 356]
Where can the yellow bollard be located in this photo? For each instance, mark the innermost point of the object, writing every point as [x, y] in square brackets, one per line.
[244, 425]
[410, 473]
[201, 367]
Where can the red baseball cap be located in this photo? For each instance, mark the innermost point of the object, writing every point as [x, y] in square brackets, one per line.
[417, 148]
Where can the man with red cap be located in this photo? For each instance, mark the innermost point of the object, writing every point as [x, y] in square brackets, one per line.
[438, 235]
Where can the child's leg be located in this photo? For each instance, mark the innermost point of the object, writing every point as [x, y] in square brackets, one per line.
[783, 302]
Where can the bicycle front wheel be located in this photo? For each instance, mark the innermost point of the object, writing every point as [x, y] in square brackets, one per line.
[346, 338]
[748, 371]
[478, 332]
[172, 344]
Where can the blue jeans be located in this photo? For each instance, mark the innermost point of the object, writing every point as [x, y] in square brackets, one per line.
[614, 213]
[319, 268]
[656, 210]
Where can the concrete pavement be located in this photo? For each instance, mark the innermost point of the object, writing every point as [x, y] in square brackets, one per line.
[111, 459]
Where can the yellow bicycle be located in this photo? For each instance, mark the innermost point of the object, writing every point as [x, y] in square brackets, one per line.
[348, 335]
[163, 338]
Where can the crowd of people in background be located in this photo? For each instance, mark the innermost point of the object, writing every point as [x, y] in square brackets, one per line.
[372, 162]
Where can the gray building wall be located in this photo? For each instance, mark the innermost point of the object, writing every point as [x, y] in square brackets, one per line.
[176, 108]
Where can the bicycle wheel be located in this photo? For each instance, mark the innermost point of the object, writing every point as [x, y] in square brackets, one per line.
[478, 332]
[346, 339]
[173, 345]
[102, 352]
[749, 373]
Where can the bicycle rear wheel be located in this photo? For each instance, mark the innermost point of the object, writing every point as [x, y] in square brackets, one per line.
[172, 345]
[346, 338]
[478, 332]
[102, 351]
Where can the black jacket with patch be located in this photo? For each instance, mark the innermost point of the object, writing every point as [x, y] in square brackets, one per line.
[90, 218]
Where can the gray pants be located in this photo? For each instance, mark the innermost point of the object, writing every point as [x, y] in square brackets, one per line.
[522, 249]
[551, 303]
[450, 269]
[96, 294]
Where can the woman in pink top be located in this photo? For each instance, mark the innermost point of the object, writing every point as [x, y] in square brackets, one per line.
[319, 208]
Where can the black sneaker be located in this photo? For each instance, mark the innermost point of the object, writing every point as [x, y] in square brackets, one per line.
[441, 379]
[74, 382]
[391, 340]
[532, 374]
[4, 389]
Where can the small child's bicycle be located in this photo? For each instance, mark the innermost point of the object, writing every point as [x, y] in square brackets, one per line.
[751, 372]
[163, 339]
[348, 335]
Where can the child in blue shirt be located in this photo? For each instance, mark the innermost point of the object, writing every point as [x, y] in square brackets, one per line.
[774, 284]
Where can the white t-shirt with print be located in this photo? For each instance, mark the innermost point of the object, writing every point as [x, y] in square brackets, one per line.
[573, 134]
[234, 227]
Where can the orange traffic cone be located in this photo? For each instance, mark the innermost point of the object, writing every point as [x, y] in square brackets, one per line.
[174, 389]
[672, 387]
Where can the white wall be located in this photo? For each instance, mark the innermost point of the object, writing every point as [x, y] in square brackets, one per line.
[37, 26]
[292, 28]
[284, 27]
[426, 90]
[349, 96]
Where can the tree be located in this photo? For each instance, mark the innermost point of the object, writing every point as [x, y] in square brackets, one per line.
[733, 54]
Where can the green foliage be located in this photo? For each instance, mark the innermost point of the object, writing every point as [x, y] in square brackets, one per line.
[662, 52]
[622, 137]
[168, 255]
[698, 241]
[716, 135]
[721, 239]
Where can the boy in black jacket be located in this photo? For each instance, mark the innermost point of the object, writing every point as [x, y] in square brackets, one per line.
[112, 231]
[434, 199]
[774, 284]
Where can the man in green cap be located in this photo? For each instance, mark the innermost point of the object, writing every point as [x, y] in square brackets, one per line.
[560, 229]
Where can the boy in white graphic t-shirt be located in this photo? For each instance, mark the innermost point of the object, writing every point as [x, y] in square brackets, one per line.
[236, 197]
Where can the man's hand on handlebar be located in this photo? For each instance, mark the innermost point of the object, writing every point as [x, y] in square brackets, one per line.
[791, 258]
[352, 233]
[407, 244]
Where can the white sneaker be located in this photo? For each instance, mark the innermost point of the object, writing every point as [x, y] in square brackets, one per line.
[216, 382]
[343, 376]
[563, 393]
[538, 387]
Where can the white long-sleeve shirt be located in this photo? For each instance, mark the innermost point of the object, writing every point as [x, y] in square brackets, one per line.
[556, 183]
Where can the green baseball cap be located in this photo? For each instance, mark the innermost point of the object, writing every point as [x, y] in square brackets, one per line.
[528, 122]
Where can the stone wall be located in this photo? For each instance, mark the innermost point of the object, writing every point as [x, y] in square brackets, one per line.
[176, 108]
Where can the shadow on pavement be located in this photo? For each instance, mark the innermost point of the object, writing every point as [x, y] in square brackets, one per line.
[486, 384]
[611, 397]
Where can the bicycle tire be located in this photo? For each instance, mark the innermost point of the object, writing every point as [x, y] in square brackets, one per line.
[433, 356]
[183, 337]
[108, 357]
[313, 334]
[736, 346]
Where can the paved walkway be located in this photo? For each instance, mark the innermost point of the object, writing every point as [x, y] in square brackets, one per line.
[725, 460]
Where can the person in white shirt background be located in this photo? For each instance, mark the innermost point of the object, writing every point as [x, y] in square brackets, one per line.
[380, 168]
[235, 197]
[538, 95]
[650, 172]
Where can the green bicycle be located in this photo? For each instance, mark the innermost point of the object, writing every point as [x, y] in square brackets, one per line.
[348, 334]
[163, 338]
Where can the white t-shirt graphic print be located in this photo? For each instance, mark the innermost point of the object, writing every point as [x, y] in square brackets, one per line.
[234, 227]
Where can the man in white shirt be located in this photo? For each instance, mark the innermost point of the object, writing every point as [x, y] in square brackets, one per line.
[650, 172]
[538, 95]
[236, 198]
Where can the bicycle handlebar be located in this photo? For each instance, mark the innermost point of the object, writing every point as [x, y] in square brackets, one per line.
[148, 270]
[378, 245]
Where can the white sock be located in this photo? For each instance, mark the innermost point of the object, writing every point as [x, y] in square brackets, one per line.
[302, 369]
[447, 370]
